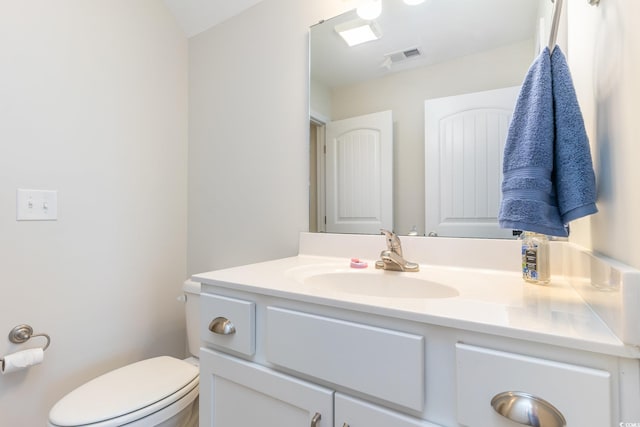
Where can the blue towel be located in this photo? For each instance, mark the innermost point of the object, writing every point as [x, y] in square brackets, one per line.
[574, 178]
[548, 177]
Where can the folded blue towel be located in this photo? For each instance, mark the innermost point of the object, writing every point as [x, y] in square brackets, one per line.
[548, 177]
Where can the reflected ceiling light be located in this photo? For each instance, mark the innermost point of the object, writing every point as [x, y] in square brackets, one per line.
[357, 31]
[369, 9]
[413, 2]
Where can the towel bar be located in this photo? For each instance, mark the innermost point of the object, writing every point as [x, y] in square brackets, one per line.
[557, 11]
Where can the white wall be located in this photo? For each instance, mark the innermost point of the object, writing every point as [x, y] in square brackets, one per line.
[93, 104]
[604, 57]
[248, 134]
[319, 101]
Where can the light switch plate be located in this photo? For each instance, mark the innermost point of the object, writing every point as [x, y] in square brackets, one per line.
[36, 205]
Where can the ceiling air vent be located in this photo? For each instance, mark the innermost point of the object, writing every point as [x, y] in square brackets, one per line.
[401, 55]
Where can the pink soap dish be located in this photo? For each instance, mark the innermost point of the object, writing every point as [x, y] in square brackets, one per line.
[357, 263]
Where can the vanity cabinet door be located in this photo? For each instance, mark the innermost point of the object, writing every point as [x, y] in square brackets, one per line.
[237, 393]
[351, 412]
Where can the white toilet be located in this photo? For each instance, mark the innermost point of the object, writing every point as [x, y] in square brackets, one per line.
[161, 391]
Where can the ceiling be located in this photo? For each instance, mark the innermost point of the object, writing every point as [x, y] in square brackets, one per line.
[441, 29]
[195, 16]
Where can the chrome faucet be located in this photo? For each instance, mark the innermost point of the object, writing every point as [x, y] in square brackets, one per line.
[392, 259]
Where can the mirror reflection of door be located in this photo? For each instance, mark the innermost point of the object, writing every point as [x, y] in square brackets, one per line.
[356, 167]
[314, 129]
[426, 51]
[464, 145]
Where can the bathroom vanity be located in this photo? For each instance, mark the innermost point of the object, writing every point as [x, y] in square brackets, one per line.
[309, 341]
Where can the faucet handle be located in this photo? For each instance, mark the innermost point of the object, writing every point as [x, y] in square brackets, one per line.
[389, 235]
[393, 241]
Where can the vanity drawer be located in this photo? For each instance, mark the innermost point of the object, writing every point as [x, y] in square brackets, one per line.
[582, 395]
[380, 362]
[352, 412]
[239, 334]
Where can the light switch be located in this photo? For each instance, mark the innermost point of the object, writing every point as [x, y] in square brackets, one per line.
[36, 205]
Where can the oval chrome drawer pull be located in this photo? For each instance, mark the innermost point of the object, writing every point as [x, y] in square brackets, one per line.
[222, 326]
[526, 409]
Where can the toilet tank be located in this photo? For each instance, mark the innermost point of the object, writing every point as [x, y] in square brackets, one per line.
[192, 311]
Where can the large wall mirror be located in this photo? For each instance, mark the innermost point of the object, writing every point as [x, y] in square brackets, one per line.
[420, 58]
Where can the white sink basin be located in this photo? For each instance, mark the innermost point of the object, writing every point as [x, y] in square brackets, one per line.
[369, 282]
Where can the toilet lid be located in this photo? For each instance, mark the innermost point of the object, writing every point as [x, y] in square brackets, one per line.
[125, 390]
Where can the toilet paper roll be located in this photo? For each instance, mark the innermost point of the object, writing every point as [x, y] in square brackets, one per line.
[21, 359]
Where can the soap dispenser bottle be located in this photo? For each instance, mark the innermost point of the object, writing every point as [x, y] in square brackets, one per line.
[535, 258]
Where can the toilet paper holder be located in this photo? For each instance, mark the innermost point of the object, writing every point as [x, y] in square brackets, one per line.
[23, 333]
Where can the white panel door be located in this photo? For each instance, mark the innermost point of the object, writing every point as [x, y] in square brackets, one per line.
[359, 174]
[464, 145]
[238, 393]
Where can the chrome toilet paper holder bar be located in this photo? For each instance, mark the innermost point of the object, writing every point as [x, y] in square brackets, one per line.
[23, 333]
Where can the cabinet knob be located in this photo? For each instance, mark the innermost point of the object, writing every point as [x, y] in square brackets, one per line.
[316, 419]
[526, 409]
[222, 326]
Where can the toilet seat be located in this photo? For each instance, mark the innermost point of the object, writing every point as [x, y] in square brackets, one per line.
[128, 394]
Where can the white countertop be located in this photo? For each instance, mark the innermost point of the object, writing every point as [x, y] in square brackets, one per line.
[490, 301]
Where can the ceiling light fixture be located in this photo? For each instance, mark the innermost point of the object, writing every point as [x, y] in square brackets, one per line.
[357, 31]
[369, 9]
